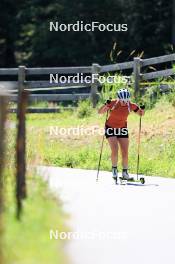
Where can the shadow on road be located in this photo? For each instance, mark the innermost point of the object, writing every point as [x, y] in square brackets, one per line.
[142, 185]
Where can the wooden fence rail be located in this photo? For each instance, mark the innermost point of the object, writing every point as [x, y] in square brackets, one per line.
[158, 74]
[53, 97]
[135, 66]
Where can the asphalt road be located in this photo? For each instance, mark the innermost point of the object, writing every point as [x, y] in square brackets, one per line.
[114, 223]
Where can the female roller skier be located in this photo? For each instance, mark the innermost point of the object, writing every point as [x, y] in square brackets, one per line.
[116, 130]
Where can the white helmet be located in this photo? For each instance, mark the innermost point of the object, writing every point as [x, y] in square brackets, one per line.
[124, 95]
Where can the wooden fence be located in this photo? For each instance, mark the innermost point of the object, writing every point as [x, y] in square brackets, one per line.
[21, 89]
[30, 83]
[20, 149]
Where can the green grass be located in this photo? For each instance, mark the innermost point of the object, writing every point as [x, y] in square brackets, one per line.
[157, 140]
[28, 241]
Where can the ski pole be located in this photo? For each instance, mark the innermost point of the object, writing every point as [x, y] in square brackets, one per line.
[138, 151]
[101, 151]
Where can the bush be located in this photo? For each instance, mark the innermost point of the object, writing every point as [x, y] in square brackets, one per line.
[84, 109]
[171, 97]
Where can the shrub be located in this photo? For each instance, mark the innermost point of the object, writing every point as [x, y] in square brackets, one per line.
[84, 109]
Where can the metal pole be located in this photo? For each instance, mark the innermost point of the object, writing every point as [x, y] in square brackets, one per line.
[98, 170]
[138, 156]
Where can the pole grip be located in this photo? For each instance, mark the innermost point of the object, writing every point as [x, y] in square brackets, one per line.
[142, 107]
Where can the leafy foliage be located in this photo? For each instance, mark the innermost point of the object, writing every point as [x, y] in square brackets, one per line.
[25, 37]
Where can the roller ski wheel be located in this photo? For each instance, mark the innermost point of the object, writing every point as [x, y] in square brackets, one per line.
[142, 180]
[124, 181]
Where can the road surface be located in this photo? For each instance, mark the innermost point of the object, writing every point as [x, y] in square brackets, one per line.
[114, 223]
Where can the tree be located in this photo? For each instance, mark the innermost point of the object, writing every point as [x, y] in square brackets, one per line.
[25, 37]
[9, 31]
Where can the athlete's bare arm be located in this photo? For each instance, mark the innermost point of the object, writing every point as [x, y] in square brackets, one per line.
[140, 112]
[103, 109]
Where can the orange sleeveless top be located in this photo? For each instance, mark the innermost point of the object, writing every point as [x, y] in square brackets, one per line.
[119, 114]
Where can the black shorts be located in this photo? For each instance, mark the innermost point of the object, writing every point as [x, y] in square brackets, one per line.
[116, 132]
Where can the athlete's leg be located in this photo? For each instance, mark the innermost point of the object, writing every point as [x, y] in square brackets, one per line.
[124, 146]
[113, 142]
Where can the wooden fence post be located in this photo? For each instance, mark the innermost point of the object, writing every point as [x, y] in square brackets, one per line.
[95, 83]
[3, 112]
[137, 67]
[21, 141]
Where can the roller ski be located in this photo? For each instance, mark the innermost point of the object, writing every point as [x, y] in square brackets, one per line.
[126, 178]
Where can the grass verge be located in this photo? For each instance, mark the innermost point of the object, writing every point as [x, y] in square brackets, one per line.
[157, 140]
[28, 241]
